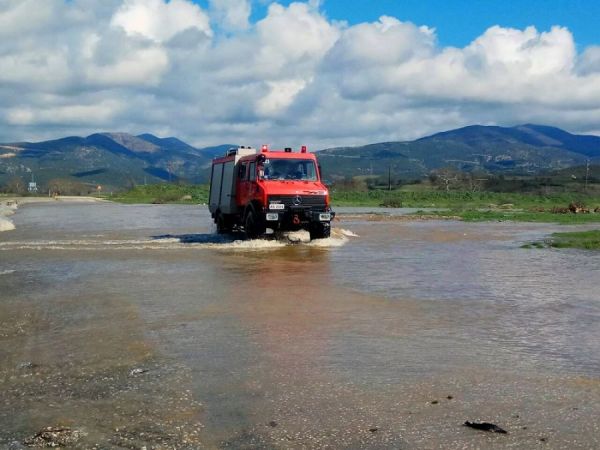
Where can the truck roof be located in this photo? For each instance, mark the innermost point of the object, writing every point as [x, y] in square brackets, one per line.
[280, 154]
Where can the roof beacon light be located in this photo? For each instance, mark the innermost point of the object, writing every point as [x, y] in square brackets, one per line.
[265, 148]
[303, 149]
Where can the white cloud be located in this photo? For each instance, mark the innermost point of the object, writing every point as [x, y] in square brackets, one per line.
[100, 113]
[158, 20]
[74, 67]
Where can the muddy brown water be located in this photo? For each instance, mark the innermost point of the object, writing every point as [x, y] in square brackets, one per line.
[390, 339]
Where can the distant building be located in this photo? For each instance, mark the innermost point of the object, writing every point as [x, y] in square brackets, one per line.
[32, 187]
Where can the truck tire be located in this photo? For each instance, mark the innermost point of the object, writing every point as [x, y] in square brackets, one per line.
[253, 226]
[320, 231]
[223, 224]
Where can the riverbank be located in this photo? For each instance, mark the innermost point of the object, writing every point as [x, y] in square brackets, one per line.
[584, 240]
[9, 205]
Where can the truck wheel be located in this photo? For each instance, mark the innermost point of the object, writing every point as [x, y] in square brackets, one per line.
[320, 231]
[223, 225]
[253, 226]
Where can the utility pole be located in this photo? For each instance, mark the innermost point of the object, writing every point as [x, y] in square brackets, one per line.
[587, 174]
[389, 178]
[169, 169]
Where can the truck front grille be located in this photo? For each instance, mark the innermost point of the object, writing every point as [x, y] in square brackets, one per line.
[299, 201]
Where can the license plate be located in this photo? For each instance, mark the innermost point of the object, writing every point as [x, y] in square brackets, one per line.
[323, 217]
[276, 206]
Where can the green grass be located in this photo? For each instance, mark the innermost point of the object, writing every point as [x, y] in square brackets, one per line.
[585, 240]
[164, 193]
[588, 240]
[471, 215]
[455, 199]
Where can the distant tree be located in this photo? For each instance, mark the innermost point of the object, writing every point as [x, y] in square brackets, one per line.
[16, 185]
[446, 178]
[65, 186]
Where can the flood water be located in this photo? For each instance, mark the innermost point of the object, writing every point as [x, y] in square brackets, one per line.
[139, 327]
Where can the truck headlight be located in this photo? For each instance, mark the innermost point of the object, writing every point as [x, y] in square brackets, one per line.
[272, 216]
[324, 217]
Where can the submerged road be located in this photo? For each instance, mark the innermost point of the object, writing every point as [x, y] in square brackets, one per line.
[136, 326]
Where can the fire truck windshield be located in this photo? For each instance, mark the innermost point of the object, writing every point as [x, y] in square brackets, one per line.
[289, 169]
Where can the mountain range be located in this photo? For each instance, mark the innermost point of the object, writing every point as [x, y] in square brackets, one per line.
[524, 149]
[112, 160]
[117, 160]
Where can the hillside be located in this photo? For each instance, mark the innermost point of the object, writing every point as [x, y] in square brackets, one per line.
[113, 160]
[524, 149]
[118, 160]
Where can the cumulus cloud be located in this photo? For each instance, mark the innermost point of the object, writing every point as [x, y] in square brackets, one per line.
[158, 20]
[293, 76]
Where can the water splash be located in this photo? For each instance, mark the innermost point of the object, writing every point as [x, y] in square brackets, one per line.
[5, 211]
[338, 238]
[6, 225]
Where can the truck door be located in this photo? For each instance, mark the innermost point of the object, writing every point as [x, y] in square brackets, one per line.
[241, 192]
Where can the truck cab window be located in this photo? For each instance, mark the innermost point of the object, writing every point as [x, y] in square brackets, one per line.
[252, 174]
[290, 169]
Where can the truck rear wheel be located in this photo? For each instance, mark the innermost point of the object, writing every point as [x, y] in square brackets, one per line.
[253, 226]
[223, 224]
[320, 231]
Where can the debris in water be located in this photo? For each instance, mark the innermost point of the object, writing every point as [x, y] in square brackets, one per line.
[137, 371]
[434, 402]
[450, 397]
[27, 365]
[373, 429]
[485, 426]
[272, 423]
[53, 437]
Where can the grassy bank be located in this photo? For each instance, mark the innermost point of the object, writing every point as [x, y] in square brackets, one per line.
[586, 240]
[518, 216]
[164, 193]
[478, 206]
[456, 199]
[589, 240]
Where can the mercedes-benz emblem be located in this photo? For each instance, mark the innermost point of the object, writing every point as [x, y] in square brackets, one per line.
[297, 200]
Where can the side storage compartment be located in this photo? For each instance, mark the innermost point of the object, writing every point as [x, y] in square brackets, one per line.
[222, 188]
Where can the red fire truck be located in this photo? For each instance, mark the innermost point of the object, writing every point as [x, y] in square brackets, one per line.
[267, 191]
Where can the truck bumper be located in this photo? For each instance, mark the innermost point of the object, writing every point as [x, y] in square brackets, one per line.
[296, 218]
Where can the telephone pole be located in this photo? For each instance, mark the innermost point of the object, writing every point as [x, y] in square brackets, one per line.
[587, 174]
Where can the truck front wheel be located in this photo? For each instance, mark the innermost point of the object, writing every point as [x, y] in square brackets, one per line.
[320, 231]
[253, 226]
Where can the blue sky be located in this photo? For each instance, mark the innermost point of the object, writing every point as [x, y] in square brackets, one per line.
[458, 22]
